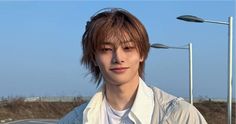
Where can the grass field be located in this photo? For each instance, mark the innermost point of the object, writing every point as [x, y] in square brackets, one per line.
[214, 112]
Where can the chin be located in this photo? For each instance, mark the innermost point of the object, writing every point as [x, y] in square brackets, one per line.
[120, 80]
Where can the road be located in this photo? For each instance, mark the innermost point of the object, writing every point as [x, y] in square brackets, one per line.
[34, 121]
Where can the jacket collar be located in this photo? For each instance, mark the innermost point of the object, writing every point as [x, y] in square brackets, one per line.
[143, 105]
[91, 113]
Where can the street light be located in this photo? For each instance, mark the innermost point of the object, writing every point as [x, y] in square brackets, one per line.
[189, 47]
[191, 18]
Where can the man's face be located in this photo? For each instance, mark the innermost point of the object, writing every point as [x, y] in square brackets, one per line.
[118, 64]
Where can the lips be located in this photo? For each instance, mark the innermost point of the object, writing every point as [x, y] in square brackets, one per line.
[119, 69]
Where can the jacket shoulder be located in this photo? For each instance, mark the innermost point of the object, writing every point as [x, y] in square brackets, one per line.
[162, 97]
[75, 116]
[176, 110]
[185, 113]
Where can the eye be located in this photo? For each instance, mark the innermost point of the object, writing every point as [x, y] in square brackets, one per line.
[128, 48]
[106, 49]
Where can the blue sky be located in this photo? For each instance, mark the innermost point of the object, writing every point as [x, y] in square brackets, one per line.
[40, 46]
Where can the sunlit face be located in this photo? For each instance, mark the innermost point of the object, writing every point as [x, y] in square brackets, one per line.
[118, 63]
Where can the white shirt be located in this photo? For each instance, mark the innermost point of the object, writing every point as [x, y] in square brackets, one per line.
[112, 116]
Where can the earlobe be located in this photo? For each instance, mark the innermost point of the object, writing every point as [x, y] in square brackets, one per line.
[141, 59]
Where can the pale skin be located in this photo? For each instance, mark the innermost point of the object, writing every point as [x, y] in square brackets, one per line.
[119, 64]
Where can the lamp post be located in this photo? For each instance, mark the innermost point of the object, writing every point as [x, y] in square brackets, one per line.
[191, 18]
[189, 47]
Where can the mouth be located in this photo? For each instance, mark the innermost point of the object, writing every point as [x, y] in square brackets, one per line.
[119, 69]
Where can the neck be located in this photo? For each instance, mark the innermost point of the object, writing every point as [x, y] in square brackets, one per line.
[122, 96]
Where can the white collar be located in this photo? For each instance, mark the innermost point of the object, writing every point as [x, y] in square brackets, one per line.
[143, 104]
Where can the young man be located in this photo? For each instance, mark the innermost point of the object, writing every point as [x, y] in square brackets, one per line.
[115, 47]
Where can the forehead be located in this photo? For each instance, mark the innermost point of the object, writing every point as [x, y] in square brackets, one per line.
[115, 37]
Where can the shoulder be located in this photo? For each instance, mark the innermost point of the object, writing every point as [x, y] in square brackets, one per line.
[162, 97]
[183, 112]
[75, 116]
[176, 109]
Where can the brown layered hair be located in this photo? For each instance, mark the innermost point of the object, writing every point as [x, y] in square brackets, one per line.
[112, 22]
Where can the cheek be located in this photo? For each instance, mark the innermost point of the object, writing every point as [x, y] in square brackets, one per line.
[100, 65]
[101, 62]
[98, 62]
[135, 57]
[135, 60]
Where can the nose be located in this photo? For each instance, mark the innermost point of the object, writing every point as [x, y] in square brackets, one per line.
[118, 56]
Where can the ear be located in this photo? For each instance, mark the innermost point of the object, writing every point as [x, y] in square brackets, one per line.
[141, 59]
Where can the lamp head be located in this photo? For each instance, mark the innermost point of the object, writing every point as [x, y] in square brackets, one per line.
[190, 18]
[158, 45]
